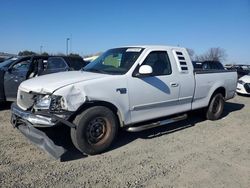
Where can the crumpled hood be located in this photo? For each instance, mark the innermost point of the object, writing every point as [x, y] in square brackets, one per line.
[245, 78]
[50, 83]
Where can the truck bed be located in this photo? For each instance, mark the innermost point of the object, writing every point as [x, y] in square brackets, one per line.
[205, 85]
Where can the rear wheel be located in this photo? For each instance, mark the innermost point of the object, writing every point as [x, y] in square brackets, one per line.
[215, 108]
[96, 129]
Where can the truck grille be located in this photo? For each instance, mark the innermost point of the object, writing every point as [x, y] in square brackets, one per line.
[25, 100]
[247, 87]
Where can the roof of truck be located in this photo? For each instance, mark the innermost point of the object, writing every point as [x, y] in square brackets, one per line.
[153, 46]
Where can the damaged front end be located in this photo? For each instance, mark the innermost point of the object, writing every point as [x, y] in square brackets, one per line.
[27, 121]
[38, 113]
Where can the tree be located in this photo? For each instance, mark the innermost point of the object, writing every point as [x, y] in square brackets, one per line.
[26, 52]
[45, 54]
[191, 53]
[213, 54]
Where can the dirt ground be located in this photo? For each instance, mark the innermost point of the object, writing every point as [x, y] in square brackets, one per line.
[191, 153]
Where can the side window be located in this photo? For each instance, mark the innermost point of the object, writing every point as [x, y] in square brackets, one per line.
[21, 66]
[56, 63]
[159, 62]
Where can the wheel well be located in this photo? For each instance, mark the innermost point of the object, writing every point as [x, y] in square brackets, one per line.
[218, 90]
[110, 106]
[221, 90]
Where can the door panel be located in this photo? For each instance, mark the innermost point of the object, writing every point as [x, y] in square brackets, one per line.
[155, 95]
[14, 77]
[2, 95]
[152, 97]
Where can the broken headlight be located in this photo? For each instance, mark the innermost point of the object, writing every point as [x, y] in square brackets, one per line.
[49, 102]
[42, 102]
[57, 103]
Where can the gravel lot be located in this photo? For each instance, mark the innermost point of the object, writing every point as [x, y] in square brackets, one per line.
[191, 153]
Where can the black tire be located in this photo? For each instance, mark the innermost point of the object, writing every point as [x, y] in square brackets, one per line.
[96, 129]
[215, 107]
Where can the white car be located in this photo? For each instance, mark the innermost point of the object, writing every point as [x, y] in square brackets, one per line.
[243, 86]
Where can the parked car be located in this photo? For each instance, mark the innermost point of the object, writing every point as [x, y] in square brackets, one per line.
[208, 65]
[2, 59]
[127, 87]
[16, 70]
[243, 86]
[242, 70]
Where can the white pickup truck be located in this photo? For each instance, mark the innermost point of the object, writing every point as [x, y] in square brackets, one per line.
[127, 87]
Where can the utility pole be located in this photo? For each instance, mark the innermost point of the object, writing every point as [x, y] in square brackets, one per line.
[70, 49]
[41, 49]
[67, 46]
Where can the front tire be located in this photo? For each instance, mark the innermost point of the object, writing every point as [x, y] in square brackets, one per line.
[215, 107]
[96, 129]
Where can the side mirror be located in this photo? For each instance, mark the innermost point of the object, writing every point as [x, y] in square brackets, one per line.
[145, 70]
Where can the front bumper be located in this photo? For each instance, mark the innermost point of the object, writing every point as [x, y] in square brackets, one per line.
[40, 119]
[35, 120]
[26, 122]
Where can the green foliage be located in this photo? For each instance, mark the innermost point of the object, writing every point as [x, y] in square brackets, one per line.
[44, 54]
[26, 52]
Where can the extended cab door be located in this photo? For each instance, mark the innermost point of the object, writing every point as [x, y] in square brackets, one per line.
[154, 95]
[16, 74]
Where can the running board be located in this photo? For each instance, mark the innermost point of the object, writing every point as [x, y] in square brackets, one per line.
[157, 124]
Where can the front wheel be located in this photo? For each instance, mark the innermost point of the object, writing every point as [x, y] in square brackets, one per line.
[96, 129]
[215, 107]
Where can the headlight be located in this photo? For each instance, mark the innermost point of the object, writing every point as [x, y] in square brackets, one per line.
[57, 103]
[241, 82]
[42, 102]
[49, 102]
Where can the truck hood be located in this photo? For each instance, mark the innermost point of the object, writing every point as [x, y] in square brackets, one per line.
[49, 83]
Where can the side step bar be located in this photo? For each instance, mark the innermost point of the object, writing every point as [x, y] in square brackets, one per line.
[156, 124]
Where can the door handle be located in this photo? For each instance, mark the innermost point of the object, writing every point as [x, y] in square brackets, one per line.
[174, 84]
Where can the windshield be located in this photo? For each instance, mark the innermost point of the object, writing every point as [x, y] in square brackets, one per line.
[7, 62]
[114, 61]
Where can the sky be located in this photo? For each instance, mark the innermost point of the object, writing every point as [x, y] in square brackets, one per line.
[95, 26]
